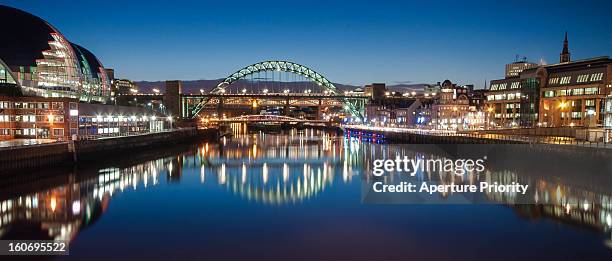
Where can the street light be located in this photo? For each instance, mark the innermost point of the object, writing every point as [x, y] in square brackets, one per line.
[489, 110]
[170, 120]
[265, 91]
[590, 113]
[244, 91]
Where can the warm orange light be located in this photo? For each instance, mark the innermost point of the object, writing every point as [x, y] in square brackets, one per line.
[490, 109]
[53, 203]
[255, 104]
[50, 118]
[562, 105]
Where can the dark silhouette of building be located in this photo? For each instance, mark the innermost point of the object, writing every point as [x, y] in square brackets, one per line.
[565, 54]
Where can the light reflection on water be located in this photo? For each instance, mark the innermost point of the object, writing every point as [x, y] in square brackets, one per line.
[295, 172]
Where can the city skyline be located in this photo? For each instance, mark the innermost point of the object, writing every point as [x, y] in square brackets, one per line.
[361, 43]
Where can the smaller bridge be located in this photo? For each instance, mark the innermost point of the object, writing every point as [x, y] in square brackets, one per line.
[265, 118]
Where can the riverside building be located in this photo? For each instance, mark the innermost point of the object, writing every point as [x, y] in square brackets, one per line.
[51, 88]
[451, 109]
[66, 118]
[574, 93]
[565, 94]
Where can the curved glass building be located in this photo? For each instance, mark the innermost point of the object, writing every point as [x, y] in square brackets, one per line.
[6, 76]
[44, 63]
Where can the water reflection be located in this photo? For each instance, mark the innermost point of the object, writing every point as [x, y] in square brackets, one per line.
[577, 193]
[274, 169]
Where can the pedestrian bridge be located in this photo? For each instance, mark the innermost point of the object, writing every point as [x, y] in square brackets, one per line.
[264, 119]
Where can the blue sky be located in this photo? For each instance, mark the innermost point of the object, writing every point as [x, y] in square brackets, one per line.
[352, 42]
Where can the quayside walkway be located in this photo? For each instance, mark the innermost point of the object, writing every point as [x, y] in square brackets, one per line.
[470, 137]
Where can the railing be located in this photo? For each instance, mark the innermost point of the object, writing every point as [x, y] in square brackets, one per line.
[266, 118]
[10, 144]
[119, 135]
[599, 142]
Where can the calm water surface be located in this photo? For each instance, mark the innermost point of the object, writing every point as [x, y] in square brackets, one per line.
[294, 195]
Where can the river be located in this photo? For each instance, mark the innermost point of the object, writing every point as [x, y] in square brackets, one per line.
[287, 196]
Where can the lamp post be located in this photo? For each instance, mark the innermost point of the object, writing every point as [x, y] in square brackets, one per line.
[489, 110]
[456, 118]
[170, 120]
[590, 113]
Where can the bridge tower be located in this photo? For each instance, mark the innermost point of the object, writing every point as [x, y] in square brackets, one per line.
[172, 98]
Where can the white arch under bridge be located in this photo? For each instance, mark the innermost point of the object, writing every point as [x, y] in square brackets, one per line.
[284, 66]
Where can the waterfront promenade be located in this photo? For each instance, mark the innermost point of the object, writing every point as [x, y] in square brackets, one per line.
[475, 137]
[23, 156]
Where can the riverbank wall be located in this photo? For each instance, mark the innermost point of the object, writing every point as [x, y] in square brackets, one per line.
[27, 158]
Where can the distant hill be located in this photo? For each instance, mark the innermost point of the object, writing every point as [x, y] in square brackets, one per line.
[406, 87]
[194, 86]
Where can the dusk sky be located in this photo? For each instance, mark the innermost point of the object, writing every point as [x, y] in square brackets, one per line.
[351, 42]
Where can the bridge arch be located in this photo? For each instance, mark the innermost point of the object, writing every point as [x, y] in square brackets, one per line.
[281, 66]
[284, 66]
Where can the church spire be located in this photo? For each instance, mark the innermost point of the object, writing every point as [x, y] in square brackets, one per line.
[565, 54]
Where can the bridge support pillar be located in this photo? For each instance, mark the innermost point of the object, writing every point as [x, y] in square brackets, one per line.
[319, 116]
[287, 107]
[220, 108]
[255, 106]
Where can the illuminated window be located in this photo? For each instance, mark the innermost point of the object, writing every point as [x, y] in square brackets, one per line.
[582, 78]
[566, 79]
[5, 76]
[561, 92]
[590, 102]
[591, 91]
[596, 77]
[553, 81]
[58, 132]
